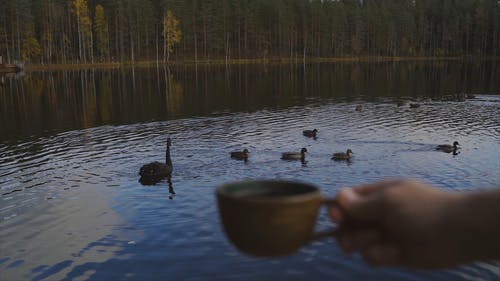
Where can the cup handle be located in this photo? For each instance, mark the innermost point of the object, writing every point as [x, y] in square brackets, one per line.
[330, 202]
[327, 233]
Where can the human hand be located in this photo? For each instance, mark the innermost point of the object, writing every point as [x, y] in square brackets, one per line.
[402, 222]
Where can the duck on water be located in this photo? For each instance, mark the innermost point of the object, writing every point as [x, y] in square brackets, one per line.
[342, 156]
[156, 171]
[310, 133]
[448, 148]
[294, 155]
[240, 155]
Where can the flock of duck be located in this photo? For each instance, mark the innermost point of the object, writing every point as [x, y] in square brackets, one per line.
[300, 155]
[155, 171]
[338, 156]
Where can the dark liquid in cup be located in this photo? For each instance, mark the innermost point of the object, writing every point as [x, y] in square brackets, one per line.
[270, 190]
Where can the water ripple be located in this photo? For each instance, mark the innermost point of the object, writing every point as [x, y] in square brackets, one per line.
[51, 182]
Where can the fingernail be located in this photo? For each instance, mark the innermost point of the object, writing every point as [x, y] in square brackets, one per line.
[349, 195]
[336, 214]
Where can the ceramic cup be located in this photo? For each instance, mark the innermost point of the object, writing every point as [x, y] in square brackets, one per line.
[269, 218]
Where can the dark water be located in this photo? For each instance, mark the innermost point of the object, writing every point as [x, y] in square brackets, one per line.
[72, 143]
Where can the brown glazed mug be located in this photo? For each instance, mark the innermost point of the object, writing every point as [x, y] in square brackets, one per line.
[270, 218]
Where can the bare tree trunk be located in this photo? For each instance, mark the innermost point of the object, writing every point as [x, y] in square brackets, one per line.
[164, 41]
[91, 45]
[239, 42]
[131, 48]
[304, 56]
[9, 48]
[245, 38]
[205, 38]
[227, 48]
[18, 40]
[79, 38]
[157, 58]
[157, 61]
[116, 39]
[195, 49]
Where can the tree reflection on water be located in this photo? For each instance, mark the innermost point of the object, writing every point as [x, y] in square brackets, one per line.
[73, 99]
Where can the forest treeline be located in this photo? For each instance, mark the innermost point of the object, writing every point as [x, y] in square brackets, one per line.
[83, 31]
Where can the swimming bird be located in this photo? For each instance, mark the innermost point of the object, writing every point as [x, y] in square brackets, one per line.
[448, 147]
[342, 155]
[155, 171]
[240, 155]
[414, 105]
[294, 155]
[310, 133]
[359, 108]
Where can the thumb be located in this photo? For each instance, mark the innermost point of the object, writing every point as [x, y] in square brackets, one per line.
[361, 207]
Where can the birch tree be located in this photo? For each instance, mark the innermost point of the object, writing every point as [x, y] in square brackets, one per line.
[171, 34]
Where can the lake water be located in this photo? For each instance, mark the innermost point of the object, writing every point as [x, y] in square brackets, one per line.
[72, 143]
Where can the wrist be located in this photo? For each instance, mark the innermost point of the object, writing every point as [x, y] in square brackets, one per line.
[473, 219]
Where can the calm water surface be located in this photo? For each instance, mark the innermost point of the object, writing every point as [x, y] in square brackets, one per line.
[71, 207]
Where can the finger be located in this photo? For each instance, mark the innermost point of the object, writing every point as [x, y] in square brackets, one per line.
[365, 238]
[367, 189]
[336, 214]
[361, 208]
[383, 254]
[356, 239]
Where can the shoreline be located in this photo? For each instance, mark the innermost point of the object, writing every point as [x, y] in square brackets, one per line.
[152, 63]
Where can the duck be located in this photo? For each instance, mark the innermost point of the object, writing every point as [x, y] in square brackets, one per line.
[359, 108]
[310, 133]
[342, 155]
[414, 105]
[240, 155]
[155, 171]
[294, 155]
[448, 147]
[447, 98]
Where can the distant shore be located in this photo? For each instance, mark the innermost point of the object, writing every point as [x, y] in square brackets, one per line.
[9, 68]
[151, 63]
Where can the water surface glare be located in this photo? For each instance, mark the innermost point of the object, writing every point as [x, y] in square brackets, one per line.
[71, 207]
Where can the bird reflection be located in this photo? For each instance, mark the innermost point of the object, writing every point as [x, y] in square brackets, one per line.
[150, 180]
[155, 180]
[170, 189]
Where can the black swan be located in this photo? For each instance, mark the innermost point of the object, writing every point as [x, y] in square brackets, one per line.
[156, 171]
